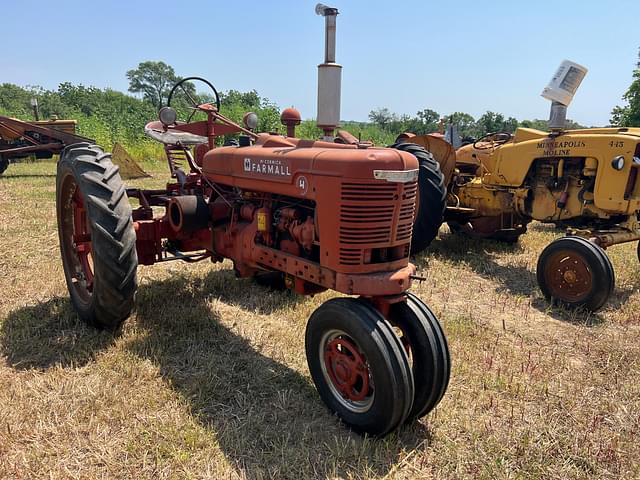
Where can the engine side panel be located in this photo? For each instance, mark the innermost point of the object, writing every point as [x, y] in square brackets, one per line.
[362, 224]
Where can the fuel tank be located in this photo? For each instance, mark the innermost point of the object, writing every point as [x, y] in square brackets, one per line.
[298, 168]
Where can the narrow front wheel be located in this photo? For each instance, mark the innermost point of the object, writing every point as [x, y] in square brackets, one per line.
[426, 345]
[359, 366]
[575, 273]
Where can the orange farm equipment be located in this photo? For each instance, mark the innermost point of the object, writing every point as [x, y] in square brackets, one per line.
[321, 214]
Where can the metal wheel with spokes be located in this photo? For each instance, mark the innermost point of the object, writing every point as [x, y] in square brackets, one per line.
[97, 239]
[346, 371]
[359, 366]
[576, 273]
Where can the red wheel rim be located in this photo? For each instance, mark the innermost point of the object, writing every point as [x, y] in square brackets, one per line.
[568, 276]
[76, 239]
[346, 371]
[82, 239]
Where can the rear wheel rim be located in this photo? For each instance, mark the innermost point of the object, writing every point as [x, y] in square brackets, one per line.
[346, 371]
[568, 276]
[76, 240]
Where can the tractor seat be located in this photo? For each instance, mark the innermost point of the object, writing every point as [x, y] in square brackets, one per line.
[169, 136]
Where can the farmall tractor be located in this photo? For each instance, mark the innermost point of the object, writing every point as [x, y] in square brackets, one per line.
[583, 180]
[325, 215]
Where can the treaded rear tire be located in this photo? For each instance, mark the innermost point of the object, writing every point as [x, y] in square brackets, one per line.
[113, 240]
[432, 199]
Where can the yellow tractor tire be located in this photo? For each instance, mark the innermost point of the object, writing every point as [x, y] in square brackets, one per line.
[575, 273]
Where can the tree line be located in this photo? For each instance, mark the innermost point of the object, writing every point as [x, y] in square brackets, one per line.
[110, 116]
[429, 121]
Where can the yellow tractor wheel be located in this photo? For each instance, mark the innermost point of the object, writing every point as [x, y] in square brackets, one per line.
[575, 272]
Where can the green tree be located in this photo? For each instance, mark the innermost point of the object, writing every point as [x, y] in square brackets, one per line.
[154, 80]
[425, 121]
[382, 117]
[466, 123]
[629, 115]
[536, 124]
[495, 122]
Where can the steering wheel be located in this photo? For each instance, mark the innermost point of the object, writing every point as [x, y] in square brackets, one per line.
[496, 139]
[193, 101]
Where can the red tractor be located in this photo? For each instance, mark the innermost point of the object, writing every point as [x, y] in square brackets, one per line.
[323, 215]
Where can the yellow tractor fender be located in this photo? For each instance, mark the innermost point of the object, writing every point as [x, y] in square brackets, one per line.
[442, 151]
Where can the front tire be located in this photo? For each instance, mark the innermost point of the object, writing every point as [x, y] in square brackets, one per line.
[359, 366]
[432, 198]
[428, 352]
[575, 273]
[97, 238]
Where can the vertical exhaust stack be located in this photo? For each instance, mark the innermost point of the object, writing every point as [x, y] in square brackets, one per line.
[560, 92]
[329, 76]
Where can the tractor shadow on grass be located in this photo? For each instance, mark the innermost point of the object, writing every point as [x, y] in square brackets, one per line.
[248, 294]
[266, 416]
[21, 176]
[49, 334]
[515, 279]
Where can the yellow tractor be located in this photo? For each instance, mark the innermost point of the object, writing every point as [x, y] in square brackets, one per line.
[583, 180]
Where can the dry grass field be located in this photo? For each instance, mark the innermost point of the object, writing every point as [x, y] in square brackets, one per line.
[208, 379]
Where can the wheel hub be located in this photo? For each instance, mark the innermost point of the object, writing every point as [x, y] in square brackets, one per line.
[568, 276]
[76, 239]
[347, 369]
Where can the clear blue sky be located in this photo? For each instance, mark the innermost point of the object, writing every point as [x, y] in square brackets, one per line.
[447, 55]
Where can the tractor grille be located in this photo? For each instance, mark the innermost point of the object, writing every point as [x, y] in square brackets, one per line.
[374, 216]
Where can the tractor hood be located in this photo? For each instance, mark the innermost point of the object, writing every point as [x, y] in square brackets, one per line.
[525, 134]
[279, 160]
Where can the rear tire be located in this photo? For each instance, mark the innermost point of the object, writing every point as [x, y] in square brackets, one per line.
[575, 273]
[97, 239]
[432, 198]
[359, 366]
[428, 351]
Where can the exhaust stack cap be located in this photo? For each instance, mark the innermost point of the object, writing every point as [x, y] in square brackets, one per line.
[323, 10]
[565, 83]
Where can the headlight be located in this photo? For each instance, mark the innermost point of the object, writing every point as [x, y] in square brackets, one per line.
[618, 162]
[168, 116]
